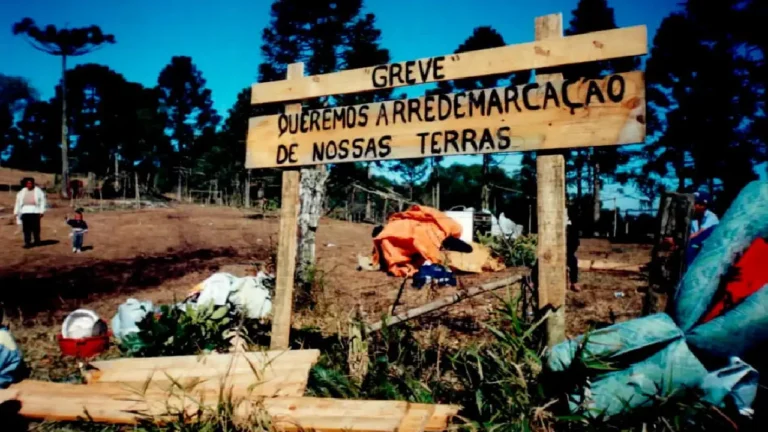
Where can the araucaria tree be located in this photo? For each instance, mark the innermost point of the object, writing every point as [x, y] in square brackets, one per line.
[63, 43]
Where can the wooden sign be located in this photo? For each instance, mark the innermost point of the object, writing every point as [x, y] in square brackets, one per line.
[549, 114]
[537, 116]
[602, 45]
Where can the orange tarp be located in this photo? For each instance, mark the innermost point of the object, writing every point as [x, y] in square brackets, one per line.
[412, 236]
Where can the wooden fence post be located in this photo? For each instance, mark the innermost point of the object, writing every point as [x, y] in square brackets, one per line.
[550, 179]
[288, 242]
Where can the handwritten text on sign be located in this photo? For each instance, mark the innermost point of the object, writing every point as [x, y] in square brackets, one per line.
[554, 114]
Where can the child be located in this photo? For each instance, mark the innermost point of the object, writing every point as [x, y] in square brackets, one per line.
[79, 228]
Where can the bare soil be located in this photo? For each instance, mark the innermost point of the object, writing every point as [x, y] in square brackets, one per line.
[160, 254]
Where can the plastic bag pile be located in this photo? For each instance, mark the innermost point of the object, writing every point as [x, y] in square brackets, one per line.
[251, 295]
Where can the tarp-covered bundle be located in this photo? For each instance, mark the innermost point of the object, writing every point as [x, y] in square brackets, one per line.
[412, 237]
[719, 313]
[11, 361]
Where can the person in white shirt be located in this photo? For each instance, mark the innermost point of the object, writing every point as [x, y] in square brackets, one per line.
[29, 209]
[703, 218]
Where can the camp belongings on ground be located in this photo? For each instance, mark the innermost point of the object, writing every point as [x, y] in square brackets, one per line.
[716, 320]
[421, 235]
[250, 294]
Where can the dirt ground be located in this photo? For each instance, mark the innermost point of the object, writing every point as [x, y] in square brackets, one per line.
[160, 254]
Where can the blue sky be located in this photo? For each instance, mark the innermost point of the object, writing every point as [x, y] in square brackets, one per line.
[223, 38]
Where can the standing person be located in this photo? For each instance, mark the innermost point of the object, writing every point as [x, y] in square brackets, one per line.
[572, 244]
[79, 228]
[703, 217]
[702, 224]
[30, 208]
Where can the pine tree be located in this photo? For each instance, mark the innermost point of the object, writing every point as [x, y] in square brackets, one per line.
[188, 107]
[15, 94]
[604, 162]
[326, 35]
[704, 100]
[483, 37]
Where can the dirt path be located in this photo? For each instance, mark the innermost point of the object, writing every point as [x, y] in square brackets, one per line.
[159, 254]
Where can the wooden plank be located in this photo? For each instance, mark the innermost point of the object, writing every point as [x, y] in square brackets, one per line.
[112, 404]
[602, 265]
[602, 45]
[550, 182]
[550, 114]
[415, 420]
[443, 302]
[270, 383]
[273, 359]
[288, 242]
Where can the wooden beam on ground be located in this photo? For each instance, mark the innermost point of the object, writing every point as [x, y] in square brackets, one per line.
[550, 114]
[550, 181]
[287, 243]
[274, 359]
[274, 373]
[602, 265]
[111, 403]
[602, 45]
[443, 302]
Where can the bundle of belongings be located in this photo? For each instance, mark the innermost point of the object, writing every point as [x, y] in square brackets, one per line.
[719, 316]
[251, 295]
[424, 242]
[11, 361]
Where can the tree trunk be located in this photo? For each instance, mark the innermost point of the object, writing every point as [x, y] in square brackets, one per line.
[247, 194]
[91, 184]
[136, 186]
[486, 195]
[579, 179]
[64, 132]
[117, 174]
[311, 194]
[596, 194]
[368, 207]
[178, 191]
[436, 188]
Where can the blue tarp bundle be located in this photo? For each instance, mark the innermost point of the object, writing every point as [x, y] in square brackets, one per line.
[10, 358]
[667, 352]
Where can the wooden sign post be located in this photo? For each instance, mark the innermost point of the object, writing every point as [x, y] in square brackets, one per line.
[551, 113]
[550, 191]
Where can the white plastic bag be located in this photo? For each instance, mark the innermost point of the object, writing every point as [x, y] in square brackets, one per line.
[129, 314]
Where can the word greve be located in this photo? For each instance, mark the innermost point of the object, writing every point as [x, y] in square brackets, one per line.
[478, 103]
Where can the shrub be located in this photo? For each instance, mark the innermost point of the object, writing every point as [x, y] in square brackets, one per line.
[176, 331]
[518, 252]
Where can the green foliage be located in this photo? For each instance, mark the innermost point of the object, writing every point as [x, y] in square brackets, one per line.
[518, 252]
[189, 331]
[62, 42]
[15, 94]
[399, 369]
[501, 384]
